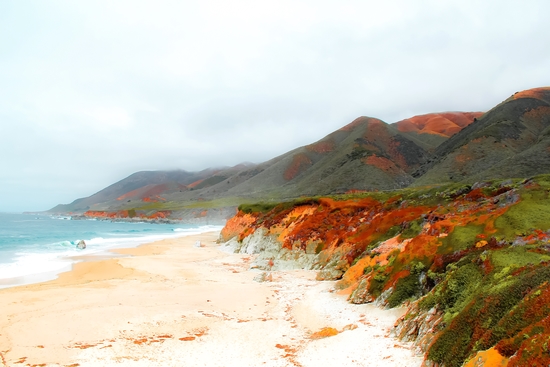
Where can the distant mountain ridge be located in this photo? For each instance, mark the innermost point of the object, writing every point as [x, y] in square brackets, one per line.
[510, 140]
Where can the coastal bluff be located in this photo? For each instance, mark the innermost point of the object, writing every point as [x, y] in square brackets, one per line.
[468, 261]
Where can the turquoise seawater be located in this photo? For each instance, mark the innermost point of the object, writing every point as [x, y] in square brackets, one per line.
[38, 247]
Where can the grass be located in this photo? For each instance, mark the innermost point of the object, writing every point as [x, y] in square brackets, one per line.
[276, 207]
[532, 212]
[405, 289]
[460, 238]
[412, 229]
[481, 309]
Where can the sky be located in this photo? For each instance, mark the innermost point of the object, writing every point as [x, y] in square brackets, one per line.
[93, 91]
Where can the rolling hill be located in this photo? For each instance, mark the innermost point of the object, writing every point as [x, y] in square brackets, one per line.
[510, 140]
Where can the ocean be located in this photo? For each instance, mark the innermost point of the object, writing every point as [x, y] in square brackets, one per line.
[35, 248]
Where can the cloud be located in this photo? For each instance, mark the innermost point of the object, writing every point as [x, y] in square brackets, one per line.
[95, 90]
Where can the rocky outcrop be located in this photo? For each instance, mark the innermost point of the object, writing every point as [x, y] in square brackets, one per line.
[81, 245]
[271, 254]
[418, 327]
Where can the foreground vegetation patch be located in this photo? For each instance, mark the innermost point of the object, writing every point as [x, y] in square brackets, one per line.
[478, 254]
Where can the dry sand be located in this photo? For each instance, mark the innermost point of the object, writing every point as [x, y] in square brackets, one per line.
[173, 304]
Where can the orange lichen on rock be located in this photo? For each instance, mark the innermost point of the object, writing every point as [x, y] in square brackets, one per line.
[324, 333]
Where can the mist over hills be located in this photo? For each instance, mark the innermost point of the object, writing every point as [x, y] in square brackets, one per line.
[510, 140]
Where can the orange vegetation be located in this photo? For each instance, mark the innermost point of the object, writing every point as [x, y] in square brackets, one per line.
[236, 225]
[383, 163]
[488, 358]
[346, 228]
[434, 243]
[445, 124]
[123, 214]
[152, 191]
[324, 146]
[299, 163]
[377, 132]
[194, 184]
[363, 120]
[538, 93]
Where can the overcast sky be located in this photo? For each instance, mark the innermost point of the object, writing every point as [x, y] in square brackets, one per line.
[92, 91]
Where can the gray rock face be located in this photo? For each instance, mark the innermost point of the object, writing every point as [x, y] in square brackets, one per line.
[330, 274]
[361, 293]
[263, 277]
[81, 245]
[271, 255]
[418, 327]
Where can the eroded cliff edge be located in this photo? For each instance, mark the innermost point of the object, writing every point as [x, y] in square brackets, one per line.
[471, 262]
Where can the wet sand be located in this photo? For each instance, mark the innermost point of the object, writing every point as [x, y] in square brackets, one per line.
[169, 303]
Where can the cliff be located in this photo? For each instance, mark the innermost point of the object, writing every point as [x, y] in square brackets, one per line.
[470, 261]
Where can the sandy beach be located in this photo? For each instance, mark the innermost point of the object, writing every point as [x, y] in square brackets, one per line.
[169, 303]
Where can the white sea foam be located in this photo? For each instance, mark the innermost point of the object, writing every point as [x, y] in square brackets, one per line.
[26, 264]
[54, 258]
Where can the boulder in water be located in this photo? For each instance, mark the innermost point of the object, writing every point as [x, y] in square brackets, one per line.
[81, 245]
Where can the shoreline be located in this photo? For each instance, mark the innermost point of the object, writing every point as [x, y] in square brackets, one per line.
[168, 303]
[105, 252]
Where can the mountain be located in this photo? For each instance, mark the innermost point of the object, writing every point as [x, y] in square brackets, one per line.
[510, 140]
[432, 129]
[148, 186]
[367, 154]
